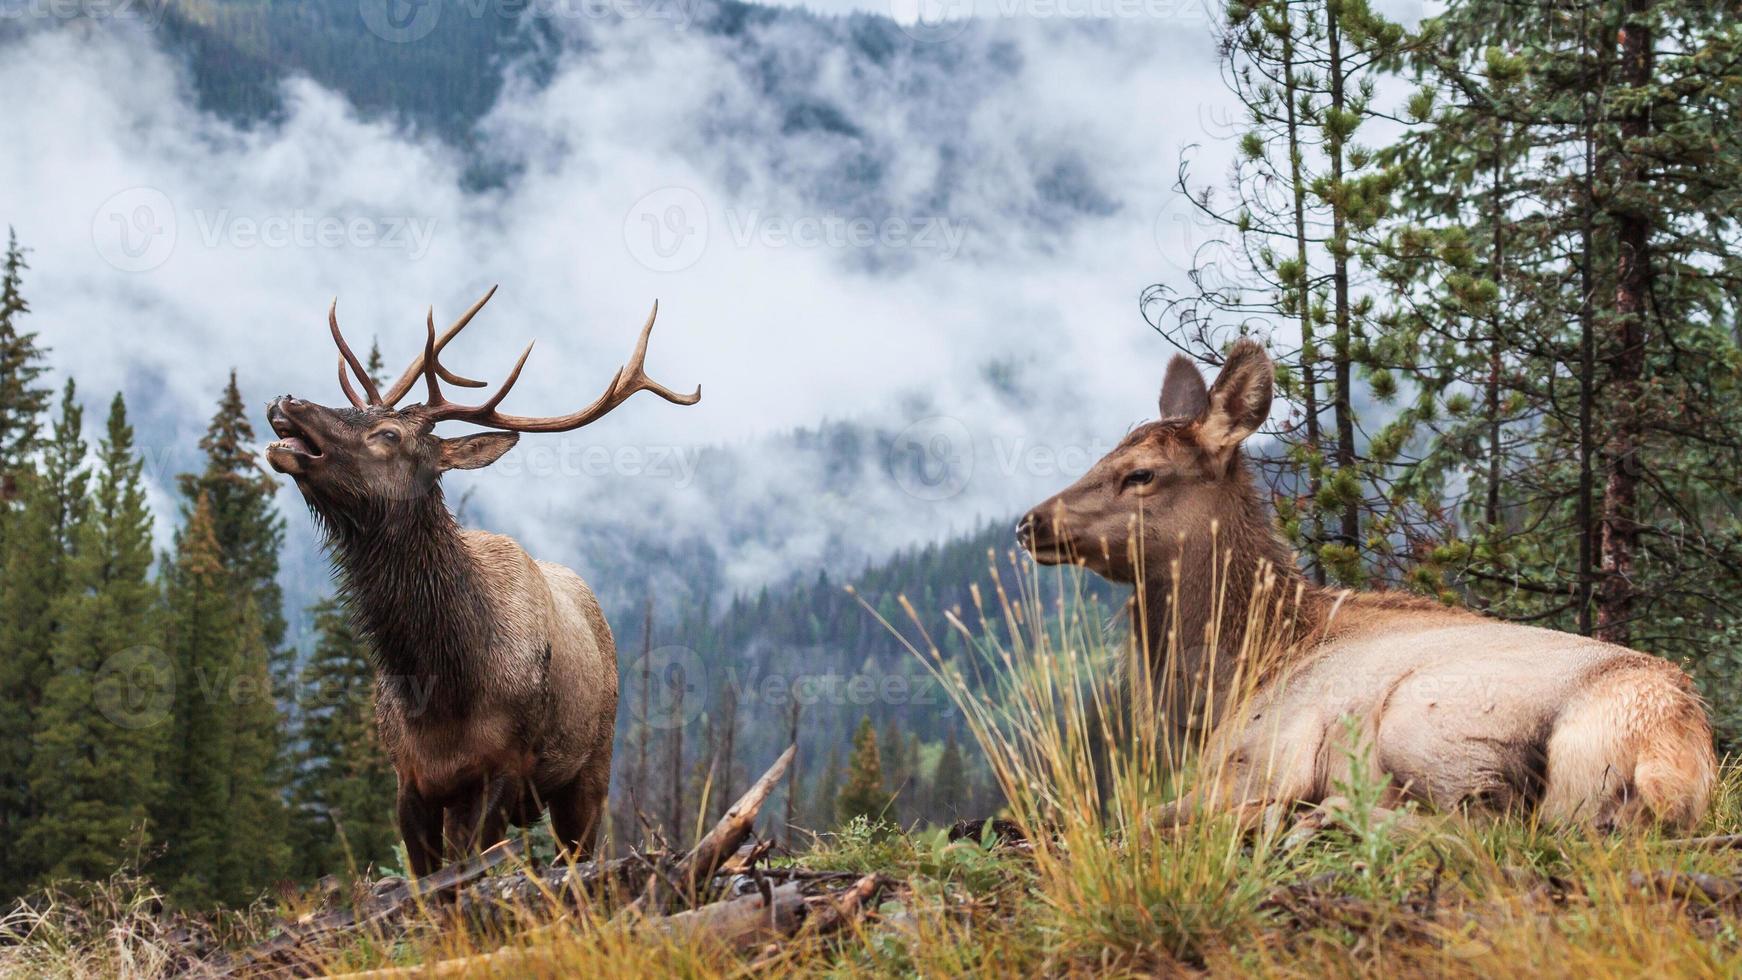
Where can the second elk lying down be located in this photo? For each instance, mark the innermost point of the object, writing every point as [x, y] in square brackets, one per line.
[1285, 683]
[496, 675]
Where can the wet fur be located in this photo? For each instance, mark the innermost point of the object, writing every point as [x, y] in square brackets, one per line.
[496, 675]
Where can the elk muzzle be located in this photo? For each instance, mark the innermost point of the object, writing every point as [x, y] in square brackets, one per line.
[302, 434]
[1041, 532]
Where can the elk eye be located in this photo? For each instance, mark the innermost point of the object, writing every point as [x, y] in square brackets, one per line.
[1139, 478]
[387, 435]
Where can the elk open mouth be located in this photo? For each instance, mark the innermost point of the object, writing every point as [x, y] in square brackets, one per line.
[294, 446]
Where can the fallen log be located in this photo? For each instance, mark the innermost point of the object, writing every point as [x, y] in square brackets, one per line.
[1685, 886]
[380, 909]
[1720, 842]
[712, 851]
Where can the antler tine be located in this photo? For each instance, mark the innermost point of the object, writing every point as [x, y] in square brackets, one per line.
[346, 357]
[415, 368]
[345, 385]
[629, 379]
[431, 369]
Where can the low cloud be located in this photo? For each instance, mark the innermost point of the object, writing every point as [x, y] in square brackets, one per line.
[934, 249]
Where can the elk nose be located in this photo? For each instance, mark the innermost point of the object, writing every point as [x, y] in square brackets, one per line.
[1025, 528]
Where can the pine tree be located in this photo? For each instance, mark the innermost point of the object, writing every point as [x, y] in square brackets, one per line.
[243, 652]
[864, 794]
[258, 852]
[93, 772]
[1304, 223]
[200, 761]
[247, 525]
[22, 403]
[44, 539]
[950, 781]
[345, 786]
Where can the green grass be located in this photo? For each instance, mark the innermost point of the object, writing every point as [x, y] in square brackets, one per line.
[1101, 889]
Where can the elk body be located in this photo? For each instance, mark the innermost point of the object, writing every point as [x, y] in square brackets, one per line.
[496, 675]
[1458, 709]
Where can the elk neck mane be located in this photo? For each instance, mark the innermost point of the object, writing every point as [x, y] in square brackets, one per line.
[415, 590]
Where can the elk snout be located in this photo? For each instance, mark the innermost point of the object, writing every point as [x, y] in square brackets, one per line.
[1038, 532]
[298, 445]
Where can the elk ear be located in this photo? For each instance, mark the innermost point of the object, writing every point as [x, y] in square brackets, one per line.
[1182, 390]
[1240, 398]
[472, 452]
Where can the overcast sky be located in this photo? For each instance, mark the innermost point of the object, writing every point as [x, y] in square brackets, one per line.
[170, 247]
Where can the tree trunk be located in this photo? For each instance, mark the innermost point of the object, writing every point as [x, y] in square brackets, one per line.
[1615, 605]
[1343, 368]
[1303, 296]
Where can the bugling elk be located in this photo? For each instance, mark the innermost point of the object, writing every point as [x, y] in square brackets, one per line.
[496, 675]
[1456, 708]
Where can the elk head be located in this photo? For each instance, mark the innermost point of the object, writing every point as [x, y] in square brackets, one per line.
[1167, 482]
[351, 463]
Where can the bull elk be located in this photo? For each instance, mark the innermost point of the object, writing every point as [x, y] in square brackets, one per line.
[496, 675]
[1456, 708]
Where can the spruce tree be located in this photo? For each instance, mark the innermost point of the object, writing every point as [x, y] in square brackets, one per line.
[864, 794]
[203, 642]
[345, 787]
[93, 773]
[246, 523]
[258, 849]
[1303, 224]
[950, 781]
[44, 539]
[245, 654]
[22, 402]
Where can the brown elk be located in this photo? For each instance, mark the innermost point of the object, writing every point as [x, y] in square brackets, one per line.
[496, 675]
[1456, 708]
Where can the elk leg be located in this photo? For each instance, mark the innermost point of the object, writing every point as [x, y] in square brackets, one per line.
[479, 822]
[575, 810]
[420, 826]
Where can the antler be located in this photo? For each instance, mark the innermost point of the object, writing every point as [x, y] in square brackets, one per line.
[395, 393]
[415, 368]
[346, 357]
[630, 378]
